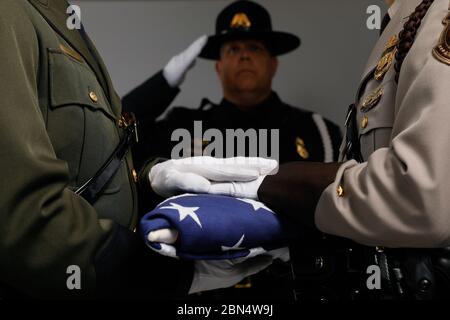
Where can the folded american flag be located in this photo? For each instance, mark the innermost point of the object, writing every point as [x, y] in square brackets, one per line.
[215, 227]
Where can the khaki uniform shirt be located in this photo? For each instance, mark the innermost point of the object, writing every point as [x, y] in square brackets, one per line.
[400, 195]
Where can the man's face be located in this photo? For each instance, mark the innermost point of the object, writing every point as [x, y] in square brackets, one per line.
[246, 66]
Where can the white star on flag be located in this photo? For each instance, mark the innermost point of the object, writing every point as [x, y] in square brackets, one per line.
[185, 212]
[256, 251]
[177, 197]
[236, 246]
[255, 204]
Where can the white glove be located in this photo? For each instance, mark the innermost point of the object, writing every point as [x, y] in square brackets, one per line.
[178, 66]
[168, 236]
[248, 190]
[215, 274]
[238, 177]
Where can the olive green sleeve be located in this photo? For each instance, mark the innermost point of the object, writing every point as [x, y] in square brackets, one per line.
[44, 227]
[144, 179]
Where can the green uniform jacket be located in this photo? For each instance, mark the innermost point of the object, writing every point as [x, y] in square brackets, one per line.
[58, 115]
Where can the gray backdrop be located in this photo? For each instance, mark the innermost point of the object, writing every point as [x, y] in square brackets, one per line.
[137, 38]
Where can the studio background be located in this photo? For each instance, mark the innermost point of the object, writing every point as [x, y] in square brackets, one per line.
[137, 38]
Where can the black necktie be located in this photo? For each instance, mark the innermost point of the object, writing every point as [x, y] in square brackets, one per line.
[385, 22]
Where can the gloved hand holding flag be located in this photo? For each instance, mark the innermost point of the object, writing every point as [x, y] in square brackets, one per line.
[237, 177]
[229, 238]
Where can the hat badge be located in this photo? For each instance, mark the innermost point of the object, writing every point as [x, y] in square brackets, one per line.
[240, 20]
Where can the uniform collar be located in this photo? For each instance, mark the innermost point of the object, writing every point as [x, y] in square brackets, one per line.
[394, 8]
[401, 9]
[271, 102]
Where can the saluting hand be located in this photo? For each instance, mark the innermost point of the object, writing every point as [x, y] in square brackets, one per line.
[175, 71]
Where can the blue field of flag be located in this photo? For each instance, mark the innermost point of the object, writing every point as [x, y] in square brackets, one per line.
[215, 227]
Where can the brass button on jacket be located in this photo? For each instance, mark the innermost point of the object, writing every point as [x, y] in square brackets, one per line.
[134, 175]
[340, 191]
[364, 122]
[93, 96]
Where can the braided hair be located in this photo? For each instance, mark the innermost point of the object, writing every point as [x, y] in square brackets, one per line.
[408, 34]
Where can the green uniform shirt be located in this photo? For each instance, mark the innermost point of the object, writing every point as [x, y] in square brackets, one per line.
[58, 115]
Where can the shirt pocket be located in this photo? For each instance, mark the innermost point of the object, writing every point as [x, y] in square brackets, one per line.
[80, 122]
[376, 122]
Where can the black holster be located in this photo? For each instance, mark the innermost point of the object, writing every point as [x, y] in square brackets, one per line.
[329, 268]
[420, 274]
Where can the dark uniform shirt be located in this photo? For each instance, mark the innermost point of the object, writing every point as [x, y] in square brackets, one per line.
[303, 136]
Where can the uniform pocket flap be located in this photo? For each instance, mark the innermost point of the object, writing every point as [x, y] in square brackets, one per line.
[73, 83]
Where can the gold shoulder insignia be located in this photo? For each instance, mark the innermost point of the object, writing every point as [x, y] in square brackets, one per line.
[442, 50]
